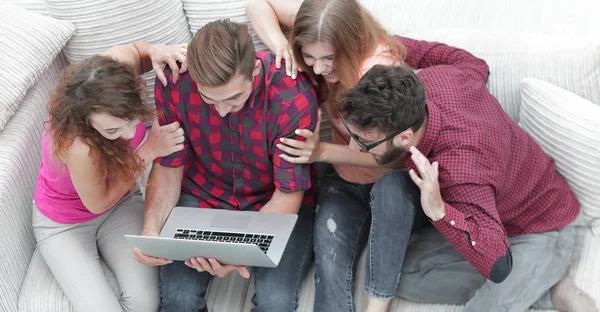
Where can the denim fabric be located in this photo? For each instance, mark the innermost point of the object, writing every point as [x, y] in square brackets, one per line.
[183, 289]
[350, 216]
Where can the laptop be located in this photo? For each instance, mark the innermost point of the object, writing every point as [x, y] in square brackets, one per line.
[232, 237]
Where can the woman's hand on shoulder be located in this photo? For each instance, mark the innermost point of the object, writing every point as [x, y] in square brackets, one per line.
[162, 55]
[165, 140]
[283, 51]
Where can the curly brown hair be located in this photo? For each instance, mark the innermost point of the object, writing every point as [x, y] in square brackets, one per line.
[99, 84]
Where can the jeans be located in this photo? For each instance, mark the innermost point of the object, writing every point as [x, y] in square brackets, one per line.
[183, 289]
[351, 216]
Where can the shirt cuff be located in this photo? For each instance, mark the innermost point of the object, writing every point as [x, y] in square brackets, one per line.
[452, 219]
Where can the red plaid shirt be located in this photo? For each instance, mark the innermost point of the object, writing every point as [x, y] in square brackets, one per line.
[232, 162]
[495, 180]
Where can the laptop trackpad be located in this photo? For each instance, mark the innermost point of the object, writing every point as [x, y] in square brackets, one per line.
[222, 220]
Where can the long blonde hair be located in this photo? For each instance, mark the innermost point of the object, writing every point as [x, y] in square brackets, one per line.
[351, 31]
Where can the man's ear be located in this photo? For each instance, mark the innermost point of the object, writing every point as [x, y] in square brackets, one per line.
[257, 65]
[404, 137]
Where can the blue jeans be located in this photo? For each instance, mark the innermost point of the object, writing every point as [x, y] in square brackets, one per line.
[183, 289]
[350, 216]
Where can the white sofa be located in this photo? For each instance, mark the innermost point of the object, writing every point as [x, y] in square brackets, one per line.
[27, 284]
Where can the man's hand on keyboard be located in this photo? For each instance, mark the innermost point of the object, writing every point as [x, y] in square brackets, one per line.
[213, 267]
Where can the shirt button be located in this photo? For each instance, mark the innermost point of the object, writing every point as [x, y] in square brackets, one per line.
[473, 243]
[452, 222]
[235, 133]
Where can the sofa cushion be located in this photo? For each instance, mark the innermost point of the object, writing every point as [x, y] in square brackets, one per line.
[562, 18]
[201, 12]
[102, 24]
[29, 44]
[36, 6]
[567, 127]
[41, 291]
[570, 63]
[20, 158]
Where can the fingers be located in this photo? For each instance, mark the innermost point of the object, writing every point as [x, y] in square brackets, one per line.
[182, 58]
[206, 265]
[288, 64]
[295, 152]
[278, 57]
[304, 133]
[194, 264]
[243, 271]
[435, 169]
[184, 66]
[413, 175]
[148, 260]
[160, 74]
[294, 66]
[174, 69]
[421, 162]
[295, 143]
[294, 160]
[179, 139]
[318, 127]
[174, 126]
[221, 270]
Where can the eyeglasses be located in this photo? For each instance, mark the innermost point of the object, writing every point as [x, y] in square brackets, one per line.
[365, 148]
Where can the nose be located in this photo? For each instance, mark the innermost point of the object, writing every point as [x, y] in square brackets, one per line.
[129, 134]
[354, 146]
[223, 109]
[319, 67]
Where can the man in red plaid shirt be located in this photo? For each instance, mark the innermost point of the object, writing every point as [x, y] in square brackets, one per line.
[506, 227]
[234, 106]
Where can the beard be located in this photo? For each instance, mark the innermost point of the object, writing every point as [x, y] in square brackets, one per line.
[391, 155]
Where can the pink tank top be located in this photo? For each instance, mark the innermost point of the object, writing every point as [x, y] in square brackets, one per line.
[55, 196]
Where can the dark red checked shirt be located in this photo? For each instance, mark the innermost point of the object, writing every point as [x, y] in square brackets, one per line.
[495, 180]
[232, 162]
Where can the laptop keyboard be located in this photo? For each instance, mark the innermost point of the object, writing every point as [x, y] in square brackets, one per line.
[260, 240]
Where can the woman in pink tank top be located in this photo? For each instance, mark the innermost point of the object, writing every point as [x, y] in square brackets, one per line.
[86, 197]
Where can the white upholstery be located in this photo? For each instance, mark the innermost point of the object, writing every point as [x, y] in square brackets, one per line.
[23, 272]
[199, 13]
[102, 24]
[20, 157]
[41, 292]
[567, 127]
[29, 44]
[570, 63]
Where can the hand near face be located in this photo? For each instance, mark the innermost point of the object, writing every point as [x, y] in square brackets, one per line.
[213, 267]
[427, 181]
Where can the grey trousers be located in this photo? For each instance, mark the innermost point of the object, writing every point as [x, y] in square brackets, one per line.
[435, 272]
[73, 251]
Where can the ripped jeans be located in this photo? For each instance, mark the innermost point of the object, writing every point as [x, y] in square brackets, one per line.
[351, 216]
